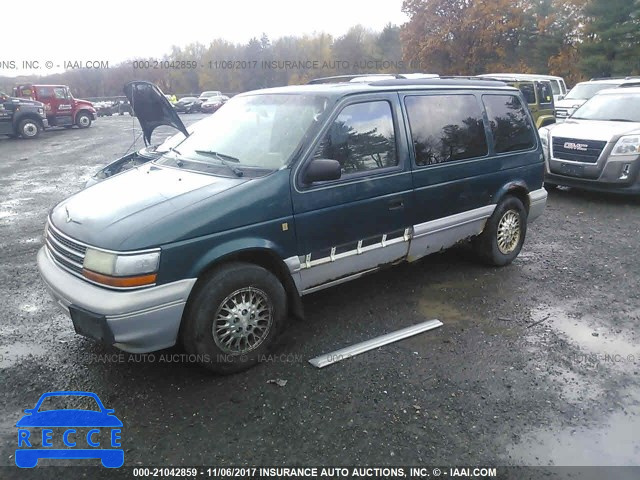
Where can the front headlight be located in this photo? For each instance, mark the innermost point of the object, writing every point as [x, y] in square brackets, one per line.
[629, 145]
[121, 270]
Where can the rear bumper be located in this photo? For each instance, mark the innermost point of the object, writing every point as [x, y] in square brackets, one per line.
[537, 203]
[135, 321]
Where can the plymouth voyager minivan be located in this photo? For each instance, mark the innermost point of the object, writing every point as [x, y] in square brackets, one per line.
[213, 241]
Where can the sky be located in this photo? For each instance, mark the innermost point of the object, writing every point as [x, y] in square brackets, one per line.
[116, 30]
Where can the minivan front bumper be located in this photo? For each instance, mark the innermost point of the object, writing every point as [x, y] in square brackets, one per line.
[136, 321]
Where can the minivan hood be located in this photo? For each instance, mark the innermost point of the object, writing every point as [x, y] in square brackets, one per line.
[109, 213]
[152, 108]
[593, 129]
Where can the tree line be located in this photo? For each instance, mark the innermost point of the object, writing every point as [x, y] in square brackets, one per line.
[576, 39]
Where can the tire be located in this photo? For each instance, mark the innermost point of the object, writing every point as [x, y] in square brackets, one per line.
[29, 128]
[253, 287]
[83, 120]
[503, 236]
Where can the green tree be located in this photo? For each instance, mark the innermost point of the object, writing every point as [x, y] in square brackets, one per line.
[611, 44]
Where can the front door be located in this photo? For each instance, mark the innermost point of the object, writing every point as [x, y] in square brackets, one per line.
[353, 225]
[61, 106]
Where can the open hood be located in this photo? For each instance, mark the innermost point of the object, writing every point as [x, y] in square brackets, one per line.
[152, 108]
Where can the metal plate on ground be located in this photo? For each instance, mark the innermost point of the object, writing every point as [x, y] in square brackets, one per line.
[322, 361]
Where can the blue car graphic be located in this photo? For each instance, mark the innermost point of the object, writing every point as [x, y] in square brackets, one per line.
[27, 457]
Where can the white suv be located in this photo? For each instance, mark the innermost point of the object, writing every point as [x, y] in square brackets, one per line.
[583, 91]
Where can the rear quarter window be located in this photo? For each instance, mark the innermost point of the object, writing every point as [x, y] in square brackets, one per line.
[445, 128]
[511, 127]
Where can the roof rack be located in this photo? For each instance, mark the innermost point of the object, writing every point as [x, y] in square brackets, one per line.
[365, 77]
[347, 78]
[614, 78]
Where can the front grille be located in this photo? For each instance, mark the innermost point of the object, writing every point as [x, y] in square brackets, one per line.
[562, 113]
[64, 250]
[576, 150]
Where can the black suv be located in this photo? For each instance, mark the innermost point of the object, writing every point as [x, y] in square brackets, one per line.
[19, 116]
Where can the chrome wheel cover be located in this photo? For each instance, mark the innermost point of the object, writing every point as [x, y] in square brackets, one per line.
[243, 321]
[30, 129]
[508, 232]
[84, 121]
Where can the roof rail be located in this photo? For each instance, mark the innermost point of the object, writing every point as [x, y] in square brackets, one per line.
[347, 78]
[608, 78]
[370, 77]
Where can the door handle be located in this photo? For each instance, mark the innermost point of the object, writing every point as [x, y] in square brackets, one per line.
[396, 204]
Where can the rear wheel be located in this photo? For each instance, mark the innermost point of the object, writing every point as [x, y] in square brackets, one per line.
[83, 120]
[234, 317]
[29, 128]
[504, 234]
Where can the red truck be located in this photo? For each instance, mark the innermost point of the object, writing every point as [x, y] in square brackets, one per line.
[61, 108]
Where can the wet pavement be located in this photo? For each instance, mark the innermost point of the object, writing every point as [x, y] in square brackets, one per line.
[536, 364]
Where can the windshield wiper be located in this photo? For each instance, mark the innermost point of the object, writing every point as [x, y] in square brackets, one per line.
[619, 120]
[236, 172]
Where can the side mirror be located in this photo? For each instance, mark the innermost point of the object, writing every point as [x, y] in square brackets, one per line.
[322, 170]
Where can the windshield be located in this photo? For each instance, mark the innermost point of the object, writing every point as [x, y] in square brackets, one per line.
[254, 131]
[584, 91]
[208, 94]
[623, 107]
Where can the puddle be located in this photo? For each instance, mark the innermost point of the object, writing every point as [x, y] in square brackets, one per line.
[595, 336]
[16, 353]
[615, 442]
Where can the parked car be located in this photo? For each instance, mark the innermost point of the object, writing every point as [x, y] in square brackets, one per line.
[282, 193]
[537, 93]
[598, 147]
[59, 105]
[558, 87]
[204, 96]
[188, 105]
[21, 117]
[212, 104]
[583, 91]
[104, 109]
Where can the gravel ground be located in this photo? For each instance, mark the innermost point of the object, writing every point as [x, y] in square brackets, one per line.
[536, 364]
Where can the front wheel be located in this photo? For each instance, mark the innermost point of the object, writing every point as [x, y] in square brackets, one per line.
[83, 120]
[29, 128]
[503, 235]
[234, 317]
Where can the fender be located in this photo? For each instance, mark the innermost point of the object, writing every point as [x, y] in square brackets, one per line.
[19, 116]
[255, 250]
[518, 188]
[232, 248]
[545, 120]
